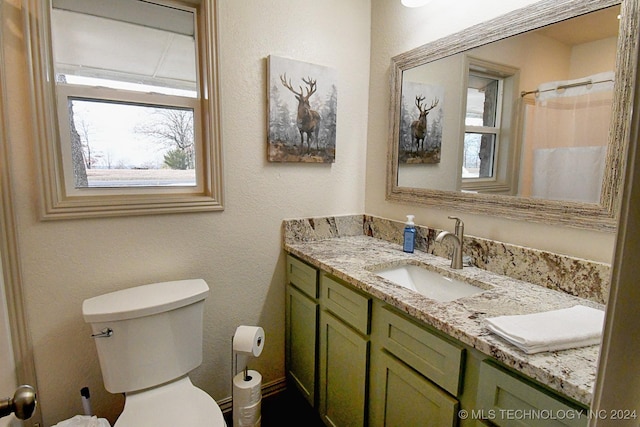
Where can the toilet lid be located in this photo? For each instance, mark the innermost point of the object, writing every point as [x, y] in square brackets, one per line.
[178, 403]
[145, 300]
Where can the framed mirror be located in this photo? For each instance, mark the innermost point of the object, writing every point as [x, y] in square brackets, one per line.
[524, 116]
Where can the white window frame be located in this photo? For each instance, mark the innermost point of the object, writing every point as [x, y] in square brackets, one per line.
[60, 198]
[489, 130]
[507, 143]
[68, 92]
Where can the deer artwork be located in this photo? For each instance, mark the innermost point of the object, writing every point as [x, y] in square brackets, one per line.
[308, 120]
[419, 127]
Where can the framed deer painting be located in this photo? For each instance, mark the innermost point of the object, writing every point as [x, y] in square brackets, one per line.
[421, 114]
[302, 111]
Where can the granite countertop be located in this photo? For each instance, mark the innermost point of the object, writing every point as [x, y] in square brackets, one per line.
[570, 372]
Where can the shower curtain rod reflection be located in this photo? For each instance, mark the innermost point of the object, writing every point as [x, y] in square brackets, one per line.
[562, 87]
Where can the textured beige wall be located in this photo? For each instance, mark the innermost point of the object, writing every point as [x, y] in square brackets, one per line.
[238, 251]
[396, 29]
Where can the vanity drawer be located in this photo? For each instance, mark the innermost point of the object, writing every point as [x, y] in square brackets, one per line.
[512, 400]
[302, 276]
[347, 304]
[434, 357]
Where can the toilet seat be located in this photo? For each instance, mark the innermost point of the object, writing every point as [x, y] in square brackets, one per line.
[177, 403]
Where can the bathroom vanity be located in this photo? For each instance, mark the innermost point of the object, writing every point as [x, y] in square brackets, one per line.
[365, 351]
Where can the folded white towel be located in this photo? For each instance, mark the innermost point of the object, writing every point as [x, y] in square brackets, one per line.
[574, 327]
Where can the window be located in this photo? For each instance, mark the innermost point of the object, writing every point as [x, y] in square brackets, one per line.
[482, 125]
[489, 144]
[134, 126]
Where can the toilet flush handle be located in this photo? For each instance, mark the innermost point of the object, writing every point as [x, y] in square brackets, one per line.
[105, 333]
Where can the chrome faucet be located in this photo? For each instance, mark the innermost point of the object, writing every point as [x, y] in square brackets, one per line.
[458, 237]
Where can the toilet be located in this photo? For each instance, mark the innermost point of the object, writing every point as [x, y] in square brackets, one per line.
[148, 339]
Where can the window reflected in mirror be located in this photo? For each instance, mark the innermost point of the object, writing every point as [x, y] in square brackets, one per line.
[482, 125]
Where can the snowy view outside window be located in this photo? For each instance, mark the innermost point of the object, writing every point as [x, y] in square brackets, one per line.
[133, 145]
[471, 159]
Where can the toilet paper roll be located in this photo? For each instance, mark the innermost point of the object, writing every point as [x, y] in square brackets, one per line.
[247, 399]
[248, 340]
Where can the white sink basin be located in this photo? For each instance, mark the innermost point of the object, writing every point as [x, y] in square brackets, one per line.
[428, 283]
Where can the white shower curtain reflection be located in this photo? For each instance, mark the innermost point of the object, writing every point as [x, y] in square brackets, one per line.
[565, 138]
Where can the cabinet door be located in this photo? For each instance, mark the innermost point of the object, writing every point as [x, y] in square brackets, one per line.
[510, 400]
[401, 397]
[343, 373]
[301, 321]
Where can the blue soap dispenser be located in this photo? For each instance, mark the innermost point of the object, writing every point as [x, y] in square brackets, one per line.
[409, 235]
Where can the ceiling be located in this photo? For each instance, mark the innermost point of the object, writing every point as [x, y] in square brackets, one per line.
[586, 28]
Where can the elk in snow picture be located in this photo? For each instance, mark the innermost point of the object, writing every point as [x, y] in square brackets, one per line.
[302, 111]
[421, 117]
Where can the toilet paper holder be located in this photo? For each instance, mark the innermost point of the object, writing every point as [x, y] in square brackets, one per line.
[247, 341]
[247, 386]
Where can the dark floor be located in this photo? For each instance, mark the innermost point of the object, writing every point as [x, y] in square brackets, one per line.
[285, 409]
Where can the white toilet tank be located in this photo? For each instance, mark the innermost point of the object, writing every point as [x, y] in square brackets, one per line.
[147, 335]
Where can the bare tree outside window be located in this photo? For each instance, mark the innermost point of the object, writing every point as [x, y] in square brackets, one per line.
[172, 129]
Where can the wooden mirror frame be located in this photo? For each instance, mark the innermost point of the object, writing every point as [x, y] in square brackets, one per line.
[602, 216]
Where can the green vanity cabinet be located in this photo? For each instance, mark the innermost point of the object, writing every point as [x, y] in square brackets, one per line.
[415, 374]
[361, 362]
[344, 354]
[301, 327]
